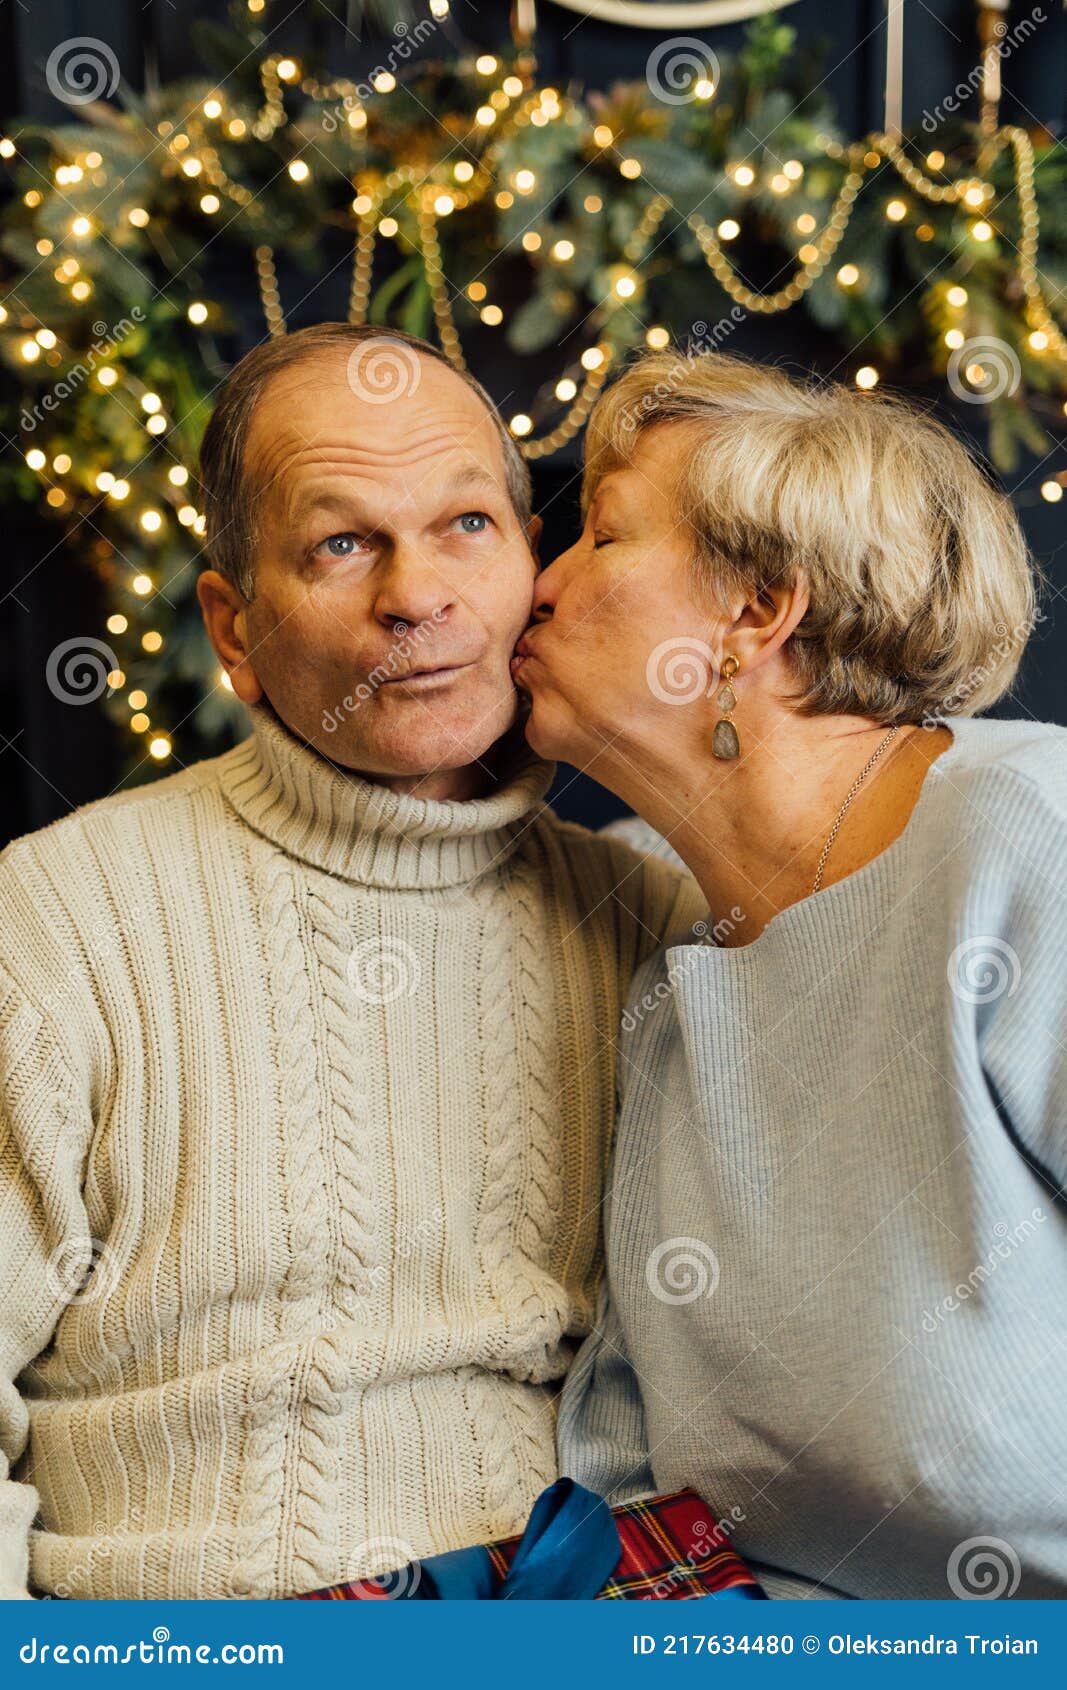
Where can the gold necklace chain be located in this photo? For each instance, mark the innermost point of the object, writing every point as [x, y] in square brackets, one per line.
[856, 784]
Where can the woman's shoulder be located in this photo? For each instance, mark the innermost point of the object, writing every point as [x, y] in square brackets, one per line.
[1016, 766]
[997, 819]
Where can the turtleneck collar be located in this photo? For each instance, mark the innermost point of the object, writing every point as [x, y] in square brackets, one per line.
[365, 833]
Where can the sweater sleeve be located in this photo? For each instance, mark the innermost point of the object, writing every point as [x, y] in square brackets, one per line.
[603, 1442]
[45, 1247]
[1016, 976]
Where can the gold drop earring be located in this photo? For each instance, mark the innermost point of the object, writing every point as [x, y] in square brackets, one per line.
[726, 743]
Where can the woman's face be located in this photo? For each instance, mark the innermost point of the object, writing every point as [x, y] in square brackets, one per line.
[618, 639]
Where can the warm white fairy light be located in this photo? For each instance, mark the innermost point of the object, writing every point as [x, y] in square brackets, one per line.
[867, 376]
[1052, 491]
[657, 337]
[177, 475]
[848, 275]
[566, 389]
[957, 297]
[151, 402]
[520, 423]
[299, 170]
[197, 312]
[728, 229]
[36, 458]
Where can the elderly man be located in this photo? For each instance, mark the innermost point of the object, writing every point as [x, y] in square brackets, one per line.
[306, 1052]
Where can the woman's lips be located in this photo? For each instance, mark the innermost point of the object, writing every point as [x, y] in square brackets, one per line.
[522, 652]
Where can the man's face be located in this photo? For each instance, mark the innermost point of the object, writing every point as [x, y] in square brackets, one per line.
[392, 576]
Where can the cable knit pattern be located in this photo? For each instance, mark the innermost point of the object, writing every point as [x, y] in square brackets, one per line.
[315, 1076]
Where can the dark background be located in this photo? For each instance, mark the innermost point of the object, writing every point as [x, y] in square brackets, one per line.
[53, 757]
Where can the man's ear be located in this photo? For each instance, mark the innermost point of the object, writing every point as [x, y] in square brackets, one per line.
[533, 536]
[225, 614]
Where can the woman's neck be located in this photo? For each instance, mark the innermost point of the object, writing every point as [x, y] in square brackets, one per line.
[752, 831]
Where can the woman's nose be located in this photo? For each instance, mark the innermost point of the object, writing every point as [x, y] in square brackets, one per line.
[546, 591]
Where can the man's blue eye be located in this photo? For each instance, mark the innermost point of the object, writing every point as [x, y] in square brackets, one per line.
[340, 545]
[474, 522]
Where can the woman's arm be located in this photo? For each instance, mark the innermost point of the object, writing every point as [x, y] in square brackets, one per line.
[602, 1438]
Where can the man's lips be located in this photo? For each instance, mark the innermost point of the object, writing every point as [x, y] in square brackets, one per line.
[420, 680]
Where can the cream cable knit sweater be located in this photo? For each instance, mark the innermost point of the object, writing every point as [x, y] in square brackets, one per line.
[318, 1081]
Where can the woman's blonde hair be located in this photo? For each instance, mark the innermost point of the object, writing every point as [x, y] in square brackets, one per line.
[922, 587]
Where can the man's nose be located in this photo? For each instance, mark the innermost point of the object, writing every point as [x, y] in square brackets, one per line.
[413, 589]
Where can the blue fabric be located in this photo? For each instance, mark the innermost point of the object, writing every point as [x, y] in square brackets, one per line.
[568, 1551]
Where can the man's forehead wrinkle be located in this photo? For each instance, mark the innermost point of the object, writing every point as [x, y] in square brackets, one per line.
[288, 450]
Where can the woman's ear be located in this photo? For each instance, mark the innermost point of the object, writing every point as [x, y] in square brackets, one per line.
[767, 621]
[225, 614]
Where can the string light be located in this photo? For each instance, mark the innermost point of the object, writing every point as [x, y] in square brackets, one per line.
[1052, 491]
[867, 377]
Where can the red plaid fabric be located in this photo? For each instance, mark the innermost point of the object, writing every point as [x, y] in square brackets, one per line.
[671, 1550]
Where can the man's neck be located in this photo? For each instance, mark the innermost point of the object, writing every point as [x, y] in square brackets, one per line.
[475, 780]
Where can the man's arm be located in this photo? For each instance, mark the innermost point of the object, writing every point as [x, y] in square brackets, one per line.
[45, 1243]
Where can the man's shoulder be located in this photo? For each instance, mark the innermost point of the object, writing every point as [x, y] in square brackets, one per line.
[93, 838]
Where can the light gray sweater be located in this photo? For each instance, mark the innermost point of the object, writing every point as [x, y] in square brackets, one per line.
[836, 1231]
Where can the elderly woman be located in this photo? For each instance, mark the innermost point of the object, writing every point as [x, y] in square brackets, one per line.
[837, 1251]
